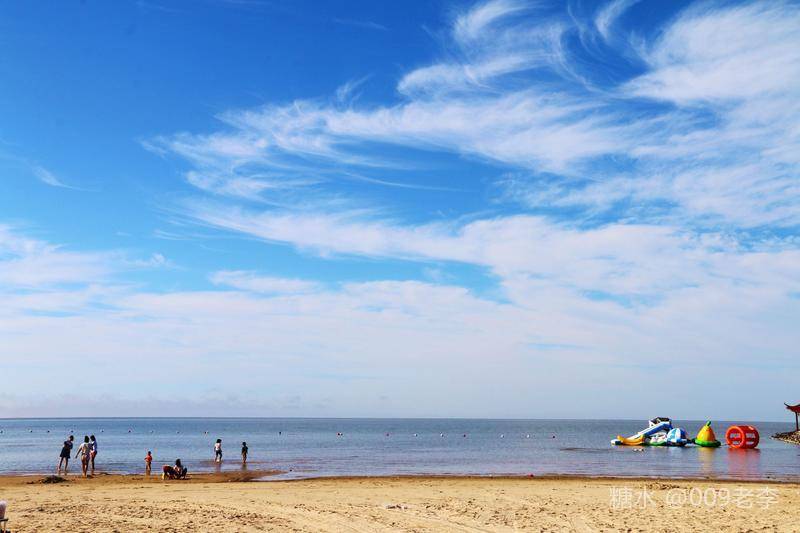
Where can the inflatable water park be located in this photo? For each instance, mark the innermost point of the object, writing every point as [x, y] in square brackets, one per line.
[661, 432]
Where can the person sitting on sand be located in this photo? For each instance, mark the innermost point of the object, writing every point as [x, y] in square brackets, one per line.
[244, 453]
[148, 462]
[174, 472]
[180, 470]
[66, 452]
[167, 472]
[218, 451]
[84, 450]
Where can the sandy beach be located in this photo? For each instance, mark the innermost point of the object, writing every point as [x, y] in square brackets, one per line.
[233, 503]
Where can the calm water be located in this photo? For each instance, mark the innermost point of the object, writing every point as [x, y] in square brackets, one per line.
[311, 447]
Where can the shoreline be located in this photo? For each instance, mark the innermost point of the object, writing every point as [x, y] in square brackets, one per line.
[274, 476]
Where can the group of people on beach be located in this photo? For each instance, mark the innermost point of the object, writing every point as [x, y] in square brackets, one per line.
[178, 471]
[87, 452]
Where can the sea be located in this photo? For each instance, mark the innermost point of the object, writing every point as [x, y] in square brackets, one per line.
[308, 447]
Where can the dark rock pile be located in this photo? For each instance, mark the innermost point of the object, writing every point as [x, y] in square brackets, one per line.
[52, 479]
[790, 436]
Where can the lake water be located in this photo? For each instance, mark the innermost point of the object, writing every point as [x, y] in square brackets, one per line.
[312, 447]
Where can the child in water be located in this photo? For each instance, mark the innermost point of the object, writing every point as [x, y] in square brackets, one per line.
[218, 451]
[244, 453]
[148, 462]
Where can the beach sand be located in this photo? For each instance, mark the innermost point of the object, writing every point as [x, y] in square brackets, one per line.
[231, 503]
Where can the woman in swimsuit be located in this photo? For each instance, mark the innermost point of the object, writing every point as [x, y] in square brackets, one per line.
[92, 450]
[66, 451]
[84, 450]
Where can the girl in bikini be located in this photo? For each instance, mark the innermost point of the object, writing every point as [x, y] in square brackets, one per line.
[85, 451]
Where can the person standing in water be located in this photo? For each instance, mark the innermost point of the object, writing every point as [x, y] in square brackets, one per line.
[66, 452]
[92, 450]
[148, 462]
[218, 451]
[84, 450]
[244, 453]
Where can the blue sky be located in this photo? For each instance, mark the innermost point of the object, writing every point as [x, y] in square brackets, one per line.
[500, 209]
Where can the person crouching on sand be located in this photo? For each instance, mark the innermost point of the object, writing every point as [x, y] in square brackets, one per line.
[174, 472]
[218, 451]
[66, 452]
[244, 453]
[84, 450]
[148, 462]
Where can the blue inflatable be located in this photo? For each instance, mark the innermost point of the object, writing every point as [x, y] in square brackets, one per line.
[677, 437]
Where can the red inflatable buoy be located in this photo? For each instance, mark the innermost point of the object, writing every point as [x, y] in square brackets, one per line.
[742, 437]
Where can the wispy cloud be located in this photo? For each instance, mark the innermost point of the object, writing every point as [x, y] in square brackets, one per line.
[33, 264]
[252, 281]
[48, 178]
[366, 24]
[473, 24]
[511, 93]
[609, 13]
[346, 92]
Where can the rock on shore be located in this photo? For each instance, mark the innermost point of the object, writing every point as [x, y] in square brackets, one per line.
[790, 436]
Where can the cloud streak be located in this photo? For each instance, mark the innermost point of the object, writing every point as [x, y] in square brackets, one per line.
[48, 178]
[513, 93]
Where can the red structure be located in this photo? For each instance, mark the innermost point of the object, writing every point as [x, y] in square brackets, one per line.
[796, 410]
[742, 437]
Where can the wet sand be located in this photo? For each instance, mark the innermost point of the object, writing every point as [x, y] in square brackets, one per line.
[233, 502]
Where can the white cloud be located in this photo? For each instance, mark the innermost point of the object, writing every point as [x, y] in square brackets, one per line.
[736, 52]
[728, 153]
[29, 262]
[624, 260]
[736, 111]
[453, 105]
[609, 13]
[474, 23]
[47, 177]
[33, 264]
[251, 281]
[435, 349]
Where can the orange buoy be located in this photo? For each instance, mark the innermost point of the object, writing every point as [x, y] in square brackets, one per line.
[742, 437]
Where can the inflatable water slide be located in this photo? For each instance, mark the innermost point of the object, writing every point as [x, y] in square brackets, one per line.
[659, 432]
